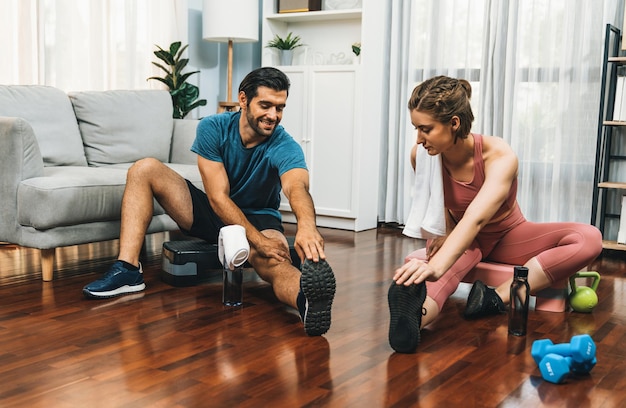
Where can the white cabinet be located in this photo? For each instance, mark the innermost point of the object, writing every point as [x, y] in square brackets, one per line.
[326, 115]
[322, 118]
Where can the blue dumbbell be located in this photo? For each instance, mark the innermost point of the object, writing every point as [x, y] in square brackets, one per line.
[555, 368]
[581, 349]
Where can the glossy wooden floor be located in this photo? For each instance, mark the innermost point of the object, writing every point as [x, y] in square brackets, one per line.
[179, 347]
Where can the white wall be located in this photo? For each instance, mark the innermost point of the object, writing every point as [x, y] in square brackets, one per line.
[211, 59]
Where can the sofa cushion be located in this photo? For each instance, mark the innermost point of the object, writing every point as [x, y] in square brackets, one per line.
[73, 195]
[124, 126]
[49, 112]
[182, 139]
[70, 195]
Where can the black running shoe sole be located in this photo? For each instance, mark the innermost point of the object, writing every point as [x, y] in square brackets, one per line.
[405, 307]
[126, 290]
[318, 285]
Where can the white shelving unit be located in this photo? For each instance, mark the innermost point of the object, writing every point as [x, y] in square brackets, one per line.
[324, 15]
[325, 113]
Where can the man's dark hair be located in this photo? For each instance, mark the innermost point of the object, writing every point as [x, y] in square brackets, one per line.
[265, 76]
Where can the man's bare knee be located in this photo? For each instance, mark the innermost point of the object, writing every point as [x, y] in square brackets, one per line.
[154, 174]
[143, 169]
[165, 185]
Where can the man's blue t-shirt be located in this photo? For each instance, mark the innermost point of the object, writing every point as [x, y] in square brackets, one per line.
[254, 173]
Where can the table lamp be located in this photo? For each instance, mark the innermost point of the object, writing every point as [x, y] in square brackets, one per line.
[230, 21]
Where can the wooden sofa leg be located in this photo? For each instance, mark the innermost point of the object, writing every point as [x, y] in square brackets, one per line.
[47, 264]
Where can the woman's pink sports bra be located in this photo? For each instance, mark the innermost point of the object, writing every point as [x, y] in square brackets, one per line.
[458, 195]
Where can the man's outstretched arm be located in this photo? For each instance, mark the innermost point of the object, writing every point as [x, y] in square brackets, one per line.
[309, 243]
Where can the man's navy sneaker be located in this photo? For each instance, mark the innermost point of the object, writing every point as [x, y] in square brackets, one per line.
[317, 283]
[119, 280]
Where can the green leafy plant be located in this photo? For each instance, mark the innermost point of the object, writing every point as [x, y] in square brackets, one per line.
[288, 43]
[356, 48]
[184, 95]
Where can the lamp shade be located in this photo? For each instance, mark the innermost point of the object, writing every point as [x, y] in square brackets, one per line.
[230, 20]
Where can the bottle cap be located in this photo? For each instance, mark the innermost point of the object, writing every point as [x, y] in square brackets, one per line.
[520, 272]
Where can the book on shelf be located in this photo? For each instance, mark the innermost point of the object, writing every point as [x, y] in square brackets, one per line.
[619, 110]
[621, 235]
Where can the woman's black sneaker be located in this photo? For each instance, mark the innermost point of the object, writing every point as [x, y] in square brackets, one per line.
[405, 306]
[483, 301]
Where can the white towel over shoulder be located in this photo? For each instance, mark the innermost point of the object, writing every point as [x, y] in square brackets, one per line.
[427, 216]
[233, 246]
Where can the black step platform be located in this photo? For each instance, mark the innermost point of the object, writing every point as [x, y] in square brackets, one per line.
[189, 262]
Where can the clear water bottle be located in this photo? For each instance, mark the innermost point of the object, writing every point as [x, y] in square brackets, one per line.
[232, 291]
[518, 307]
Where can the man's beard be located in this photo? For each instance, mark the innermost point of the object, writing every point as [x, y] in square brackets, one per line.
[261, 131]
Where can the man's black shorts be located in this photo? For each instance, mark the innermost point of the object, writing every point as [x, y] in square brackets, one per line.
[207, 225]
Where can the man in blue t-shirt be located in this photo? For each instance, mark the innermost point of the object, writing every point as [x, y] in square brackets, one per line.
[245, 159]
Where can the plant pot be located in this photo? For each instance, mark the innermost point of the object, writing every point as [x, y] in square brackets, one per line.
[286, 57]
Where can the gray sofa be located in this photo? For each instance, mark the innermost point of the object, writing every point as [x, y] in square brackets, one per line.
[64, 158]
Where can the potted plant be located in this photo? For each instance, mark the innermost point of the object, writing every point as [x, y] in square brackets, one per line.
[184, 95]
[285, 46]
[356, 49]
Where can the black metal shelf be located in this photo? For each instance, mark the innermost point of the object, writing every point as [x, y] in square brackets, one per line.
[606, 126]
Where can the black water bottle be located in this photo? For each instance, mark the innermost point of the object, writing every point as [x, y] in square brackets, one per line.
[518, 307]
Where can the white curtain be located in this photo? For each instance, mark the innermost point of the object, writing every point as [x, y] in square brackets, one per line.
[87, 45]
[395, 174]
[535, 68]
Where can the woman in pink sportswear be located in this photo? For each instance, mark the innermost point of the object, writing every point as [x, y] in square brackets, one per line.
[484, 221]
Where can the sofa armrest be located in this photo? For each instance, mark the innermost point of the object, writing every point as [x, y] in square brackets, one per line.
[182, 138]
[21, 160]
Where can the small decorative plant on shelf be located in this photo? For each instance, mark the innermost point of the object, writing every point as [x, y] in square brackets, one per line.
[285, 46]
[184, 95]
[356, 49]
[288, 43]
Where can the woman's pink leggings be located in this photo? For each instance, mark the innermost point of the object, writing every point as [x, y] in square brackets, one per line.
[561, 248]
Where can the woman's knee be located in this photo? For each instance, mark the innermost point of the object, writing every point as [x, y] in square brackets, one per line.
[592, 242]
[575, 251]
[587, 239]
